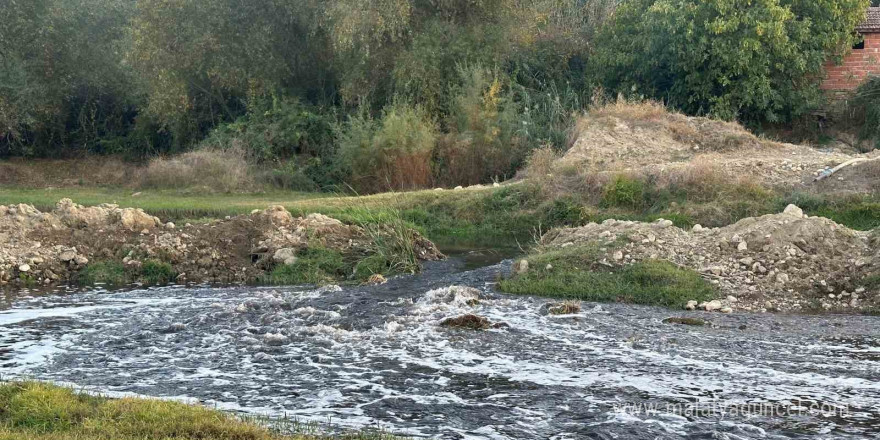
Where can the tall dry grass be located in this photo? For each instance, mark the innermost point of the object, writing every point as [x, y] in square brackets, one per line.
[214, 169]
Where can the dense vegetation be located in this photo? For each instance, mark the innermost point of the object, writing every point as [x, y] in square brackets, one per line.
[382, 94]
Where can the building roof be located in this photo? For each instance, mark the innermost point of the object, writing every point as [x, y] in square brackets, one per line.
[872, 23]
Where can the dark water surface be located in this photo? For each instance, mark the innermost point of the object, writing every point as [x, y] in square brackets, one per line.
[367, 356]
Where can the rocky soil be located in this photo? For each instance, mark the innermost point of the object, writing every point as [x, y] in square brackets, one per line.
[52, 247]
[780, 262]
[630, 139]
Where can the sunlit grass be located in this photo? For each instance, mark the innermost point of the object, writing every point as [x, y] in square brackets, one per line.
[39, 411]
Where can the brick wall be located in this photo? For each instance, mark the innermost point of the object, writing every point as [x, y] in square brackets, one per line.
[856, 67]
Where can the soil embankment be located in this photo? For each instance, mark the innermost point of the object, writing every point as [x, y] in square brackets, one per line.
[53, 247]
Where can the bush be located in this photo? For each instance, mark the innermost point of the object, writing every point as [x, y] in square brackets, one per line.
[391, 154]
[314, 265]
[219, 170]
[733, 60]
[484, 143]
[154, 272]
[624, 192]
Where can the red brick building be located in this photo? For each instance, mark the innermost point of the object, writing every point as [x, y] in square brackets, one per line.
[863, 62]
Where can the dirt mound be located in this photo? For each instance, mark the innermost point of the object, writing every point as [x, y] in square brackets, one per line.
[47, 248]
[645, 137]
[785, 262]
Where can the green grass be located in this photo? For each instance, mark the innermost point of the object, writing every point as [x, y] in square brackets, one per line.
[38, 411]
[314, 265]
[114, 273]
[488, 217]
[574, 274]
[154, 272]
[103, 272]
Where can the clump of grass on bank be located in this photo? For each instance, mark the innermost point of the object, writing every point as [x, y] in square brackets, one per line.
[221, 170]
[314, 265]
[574, 273]
[114, 273]
[38, 411]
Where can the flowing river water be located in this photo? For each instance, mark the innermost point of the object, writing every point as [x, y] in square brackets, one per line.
[375, 356]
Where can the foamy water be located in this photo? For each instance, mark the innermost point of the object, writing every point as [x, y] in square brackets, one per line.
[375, 356]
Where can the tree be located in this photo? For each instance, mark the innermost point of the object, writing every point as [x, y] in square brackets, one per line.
[62, 73]
[755, 60]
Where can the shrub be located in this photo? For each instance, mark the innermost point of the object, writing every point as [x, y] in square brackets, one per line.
[394, 153]
[219, 170]
[154, 272]
[624, 192]
[484, 142]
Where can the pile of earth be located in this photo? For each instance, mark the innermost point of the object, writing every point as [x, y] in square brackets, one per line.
[779, 262]
[648, 139]
[52, 247]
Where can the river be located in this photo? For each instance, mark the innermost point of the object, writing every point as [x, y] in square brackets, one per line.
[375, 356]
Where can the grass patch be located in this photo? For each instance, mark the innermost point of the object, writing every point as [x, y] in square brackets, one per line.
[37, 411]
[574, 274]
[314, 265]
[154, 272]
[102, 272]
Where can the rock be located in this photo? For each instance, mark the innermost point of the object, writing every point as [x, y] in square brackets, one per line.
[472, 322]
[617, 256]
[711, 306]
[685, 321]
[274, 339]
[24, 268]
[794, 211]
[137, 220]
[276, 215]
[174, 328]
[697, 228]
[782, 278]
[376, 279]
[742, 246]
[521, 267]
[691, 305]
[663, 223]
[170, 225]
[80, 260]
[67, 256]
[731, 298]
[565, 308]
[285, 256]
[726, 310]
[459, 188]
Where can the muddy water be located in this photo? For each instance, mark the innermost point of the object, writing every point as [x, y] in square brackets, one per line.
[369, 356]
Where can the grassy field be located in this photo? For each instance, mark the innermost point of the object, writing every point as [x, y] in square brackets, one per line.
[38, 411]
[509, 216]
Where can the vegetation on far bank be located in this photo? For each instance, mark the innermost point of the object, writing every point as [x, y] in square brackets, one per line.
[40, 411]
[388, 95]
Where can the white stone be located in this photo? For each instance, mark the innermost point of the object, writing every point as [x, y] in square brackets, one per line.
[24, 268]
[285, 256]
[794, 211]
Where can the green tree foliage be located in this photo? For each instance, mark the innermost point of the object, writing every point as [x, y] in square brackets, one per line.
[757, 60]
[203, 61]
[62, 79]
